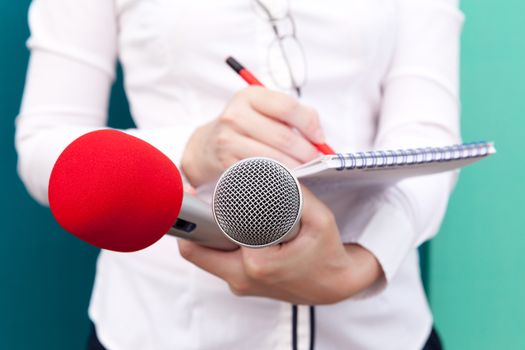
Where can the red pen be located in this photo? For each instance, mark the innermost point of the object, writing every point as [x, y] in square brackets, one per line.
[252, 80]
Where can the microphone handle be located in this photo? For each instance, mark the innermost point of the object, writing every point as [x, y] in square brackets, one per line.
[196, 223]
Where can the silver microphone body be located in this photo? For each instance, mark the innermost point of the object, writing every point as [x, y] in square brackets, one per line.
[196, 223]
[257, 203]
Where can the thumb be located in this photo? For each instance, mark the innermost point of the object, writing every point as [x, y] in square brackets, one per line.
[314, 210]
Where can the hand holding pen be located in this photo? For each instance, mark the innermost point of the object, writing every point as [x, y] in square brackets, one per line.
[252, 80]
[255, 122]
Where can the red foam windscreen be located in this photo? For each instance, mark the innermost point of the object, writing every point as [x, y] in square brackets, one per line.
[115, 191]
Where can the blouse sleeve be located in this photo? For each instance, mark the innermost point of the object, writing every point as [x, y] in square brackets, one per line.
[73, 48]
[420, 108]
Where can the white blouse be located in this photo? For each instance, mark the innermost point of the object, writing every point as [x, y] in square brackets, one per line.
[382, 74]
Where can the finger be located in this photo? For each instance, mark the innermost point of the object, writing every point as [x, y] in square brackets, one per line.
[276, 135]
[225, 265]
[262, 262]
[246, 147]
[315, 213]
[287, 109]
[317, 223]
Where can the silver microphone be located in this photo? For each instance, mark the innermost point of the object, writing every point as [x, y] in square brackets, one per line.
[257, 203]
[196, 223]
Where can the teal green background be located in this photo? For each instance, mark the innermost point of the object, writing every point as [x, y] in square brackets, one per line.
[477, 278]
[473, 268]
[45, 275]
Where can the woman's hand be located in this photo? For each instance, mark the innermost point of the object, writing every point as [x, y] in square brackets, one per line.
[313, 268]
[256, 122]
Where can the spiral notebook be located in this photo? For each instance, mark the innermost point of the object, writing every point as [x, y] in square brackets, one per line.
[383, 167]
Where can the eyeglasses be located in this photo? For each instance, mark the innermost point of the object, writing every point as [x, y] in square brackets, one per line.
[286, 60]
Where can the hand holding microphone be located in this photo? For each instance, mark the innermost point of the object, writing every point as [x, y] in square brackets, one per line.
[313, 268]
[258, 203]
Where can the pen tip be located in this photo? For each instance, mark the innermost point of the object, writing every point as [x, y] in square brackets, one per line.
[234, 64]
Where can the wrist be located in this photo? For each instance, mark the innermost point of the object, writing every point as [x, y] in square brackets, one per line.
[363, 270]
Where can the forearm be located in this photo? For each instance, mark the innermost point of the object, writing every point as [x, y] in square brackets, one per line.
[420, 108]
[65, 98]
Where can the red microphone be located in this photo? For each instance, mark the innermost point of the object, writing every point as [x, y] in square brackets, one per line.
[118, 192]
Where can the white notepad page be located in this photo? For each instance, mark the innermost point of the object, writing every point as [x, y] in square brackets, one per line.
[386, 167]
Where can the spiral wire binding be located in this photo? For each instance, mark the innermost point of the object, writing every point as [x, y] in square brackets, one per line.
[411, 156]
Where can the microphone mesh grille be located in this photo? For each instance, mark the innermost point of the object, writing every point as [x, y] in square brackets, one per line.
[256, 202]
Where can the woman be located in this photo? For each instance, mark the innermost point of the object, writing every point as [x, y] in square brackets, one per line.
[371, 74]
